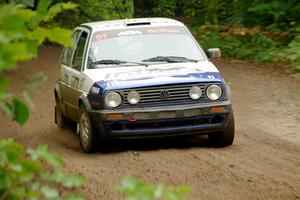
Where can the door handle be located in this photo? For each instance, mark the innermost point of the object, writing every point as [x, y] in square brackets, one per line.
[75, 81]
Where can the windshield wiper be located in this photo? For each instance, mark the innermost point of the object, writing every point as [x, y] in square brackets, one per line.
[116, 62]
[170, 59]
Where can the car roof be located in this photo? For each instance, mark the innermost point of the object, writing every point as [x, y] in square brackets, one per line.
[127, 23]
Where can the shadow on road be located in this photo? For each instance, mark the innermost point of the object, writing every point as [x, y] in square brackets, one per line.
[121, 145]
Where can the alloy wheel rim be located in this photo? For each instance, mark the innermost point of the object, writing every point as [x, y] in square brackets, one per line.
[84, 129]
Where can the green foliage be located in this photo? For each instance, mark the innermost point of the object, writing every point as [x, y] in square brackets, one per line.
[136, 189]
[19, 110]
[95, 10]
[22, 30]
[258, 47]
[165, 8]
[274, 15]
[293, 53]
[58, 8]
[34, 174]
[276, 38]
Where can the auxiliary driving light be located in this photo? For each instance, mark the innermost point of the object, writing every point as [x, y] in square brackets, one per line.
[195, 92]
[133, 97]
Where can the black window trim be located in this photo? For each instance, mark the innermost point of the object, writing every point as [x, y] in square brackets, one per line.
[63, 52]
[81, 29]
[89, 31]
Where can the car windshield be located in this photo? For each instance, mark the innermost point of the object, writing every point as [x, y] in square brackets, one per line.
[147, 45]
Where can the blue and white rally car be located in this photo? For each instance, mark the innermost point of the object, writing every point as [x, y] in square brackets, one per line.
[141, 78]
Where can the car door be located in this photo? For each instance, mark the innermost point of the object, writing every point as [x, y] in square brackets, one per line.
[75, 75]
[65, 69]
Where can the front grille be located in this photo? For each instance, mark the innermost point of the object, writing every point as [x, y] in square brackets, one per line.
[168, 93]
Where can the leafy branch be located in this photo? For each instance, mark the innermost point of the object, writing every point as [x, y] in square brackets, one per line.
[22, 31]
[136, 189]
[34, 174]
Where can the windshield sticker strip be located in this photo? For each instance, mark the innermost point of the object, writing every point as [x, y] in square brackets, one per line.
[102, 35]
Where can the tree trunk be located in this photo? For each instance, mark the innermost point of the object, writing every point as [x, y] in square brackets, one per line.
[142, 7]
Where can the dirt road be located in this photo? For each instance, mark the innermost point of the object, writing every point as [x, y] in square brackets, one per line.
[263, 163]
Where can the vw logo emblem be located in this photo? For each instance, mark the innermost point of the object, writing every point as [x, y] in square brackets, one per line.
[164, 95]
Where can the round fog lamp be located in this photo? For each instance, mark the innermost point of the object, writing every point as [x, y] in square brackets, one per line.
[195, 92]
[214, 92]
[133, 97]
[113, 99]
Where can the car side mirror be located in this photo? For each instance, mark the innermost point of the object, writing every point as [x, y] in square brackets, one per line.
[213, 53]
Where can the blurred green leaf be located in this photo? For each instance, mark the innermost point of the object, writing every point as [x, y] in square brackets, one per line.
[27, 2]
[13, 25]
[18, 51]
[136, 189]
[57, 8]
[3, 83]
[74, 197]
[53, 159]
[6, 108]
[60, 35]
[3, 38]
[27, 175]
[26, 14]
[57, 176]
[7, 60]
[30, 165]
[73, 180]
[42, 8]
[28, 99]
[49, 192]
[20, 110]
[34, 22]
[41, 152]
[33, 174]
[39, 34]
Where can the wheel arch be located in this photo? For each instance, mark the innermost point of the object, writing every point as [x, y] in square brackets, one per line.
[57, 94]
[83, 101]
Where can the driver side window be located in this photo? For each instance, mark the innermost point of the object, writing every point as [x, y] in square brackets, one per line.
[79, 51]
[67, 52]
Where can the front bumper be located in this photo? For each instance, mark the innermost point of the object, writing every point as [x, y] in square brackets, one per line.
[162, 121]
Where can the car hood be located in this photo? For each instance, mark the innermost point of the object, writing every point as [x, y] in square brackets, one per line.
[158, 74]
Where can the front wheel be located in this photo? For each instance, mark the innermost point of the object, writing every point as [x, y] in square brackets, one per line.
[86, 132]
[225, 137]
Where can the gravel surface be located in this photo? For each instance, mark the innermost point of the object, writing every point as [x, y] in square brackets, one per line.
[263, 162]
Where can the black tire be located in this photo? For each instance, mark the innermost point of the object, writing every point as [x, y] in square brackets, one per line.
[87, 136]
[60, 119]
[225, 137]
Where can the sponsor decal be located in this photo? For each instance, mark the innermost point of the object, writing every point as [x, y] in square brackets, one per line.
[130, 32]
[163, 30]
[100, 36]
[107, 34]
[151, 73]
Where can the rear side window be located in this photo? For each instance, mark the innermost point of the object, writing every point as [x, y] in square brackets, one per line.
[67, 52]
